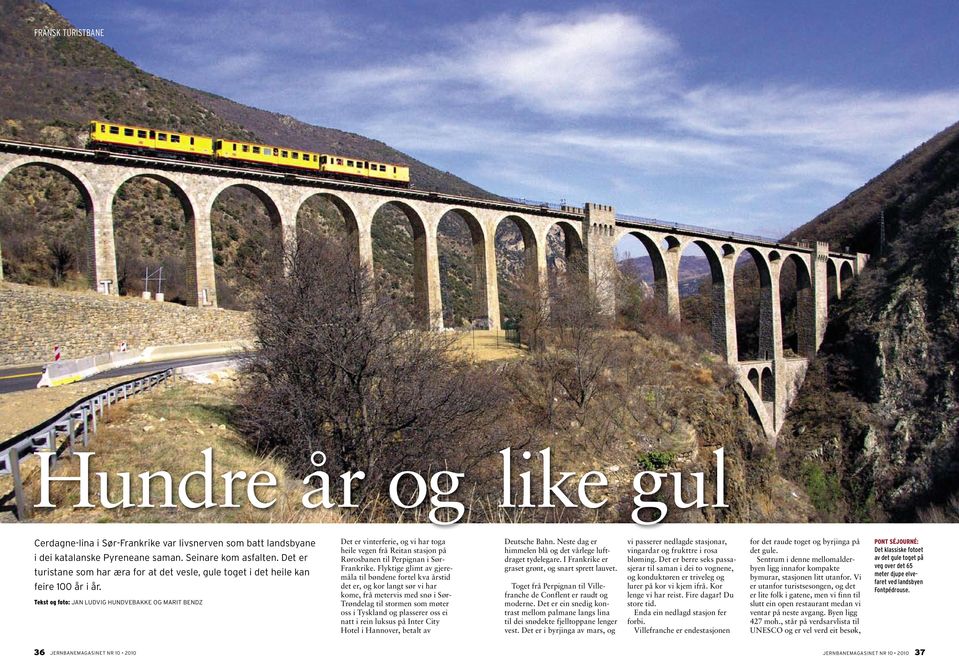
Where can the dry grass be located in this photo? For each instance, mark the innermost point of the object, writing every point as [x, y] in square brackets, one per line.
[167, 430]
[488, 346]
[22, 410]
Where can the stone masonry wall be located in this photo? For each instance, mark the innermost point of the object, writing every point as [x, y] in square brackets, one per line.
[35, 319]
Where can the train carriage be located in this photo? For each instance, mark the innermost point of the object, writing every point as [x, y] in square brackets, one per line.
[133, 137]
[337, 165]
[266, 154]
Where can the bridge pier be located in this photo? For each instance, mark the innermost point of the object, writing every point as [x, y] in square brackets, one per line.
[599, 239]
[820, 290]
[426, 278]
[541, 265]
[770, 318]
[102, 245]
[671, 260]
[724, 312]
[364, 247]
[201, 268]
[485, 284]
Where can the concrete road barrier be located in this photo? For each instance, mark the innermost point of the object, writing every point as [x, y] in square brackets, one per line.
[65, 372]
[177, 351]
[71, 371]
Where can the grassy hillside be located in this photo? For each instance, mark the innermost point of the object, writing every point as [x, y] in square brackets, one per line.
[665, 412]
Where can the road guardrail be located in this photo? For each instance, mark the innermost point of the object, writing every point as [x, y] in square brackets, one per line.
[77, 422]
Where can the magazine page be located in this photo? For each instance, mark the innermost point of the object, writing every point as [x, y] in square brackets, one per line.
[424, 327]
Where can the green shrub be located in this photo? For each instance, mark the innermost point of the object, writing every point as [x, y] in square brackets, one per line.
[654, 460]
[823, 489]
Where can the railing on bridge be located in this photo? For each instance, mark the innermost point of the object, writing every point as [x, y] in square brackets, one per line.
[645, 221]
[542, 204]
[722, 234]
[75, 422]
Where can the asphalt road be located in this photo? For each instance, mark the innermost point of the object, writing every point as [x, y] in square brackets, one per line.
[16, 379]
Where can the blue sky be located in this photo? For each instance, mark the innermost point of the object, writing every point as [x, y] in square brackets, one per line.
[743, 115]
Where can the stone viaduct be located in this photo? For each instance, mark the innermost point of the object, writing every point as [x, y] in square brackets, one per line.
[770, 383]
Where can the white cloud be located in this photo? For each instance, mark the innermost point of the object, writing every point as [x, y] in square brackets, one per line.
[613, 85]
[850, 121]
[573, 65]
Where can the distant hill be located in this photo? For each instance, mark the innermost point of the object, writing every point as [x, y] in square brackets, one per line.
[692, 270]
[873, 433]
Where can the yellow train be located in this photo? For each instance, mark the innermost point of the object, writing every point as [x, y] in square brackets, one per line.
[133, 138]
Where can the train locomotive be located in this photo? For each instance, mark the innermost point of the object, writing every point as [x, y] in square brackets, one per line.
[137, 139]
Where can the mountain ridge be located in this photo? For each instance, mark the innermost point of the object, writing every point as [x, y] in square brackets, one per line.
[852, 223]
[65, 82]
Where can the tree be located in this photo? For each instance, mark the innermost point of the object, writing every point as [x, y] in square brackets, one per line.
[61, 260]
[569, 335]
[340, 369]
[579, 335]
[531, 306]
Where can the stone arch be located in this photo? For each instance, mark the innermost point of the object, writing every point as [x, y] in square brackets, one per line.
[343, 205]
[759, 410]
[263, 249]
[672, 243]
[571, 238]
[530, 243]
[753, 377]
[99, 248]
[421, 310]
[767, 385]
[171, 182]
[481, 311]
[262, 194]
[573, 256]
[351, 226]
[76, 177]
[716, 323]
[846, 274]
[832, 281]
[660, 278]
[187, 204]
[798, 308]
[749, 315]
[510, 288]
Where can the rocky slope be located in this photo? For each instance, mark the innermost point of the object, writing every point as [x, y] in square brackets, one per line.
[873, 434]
